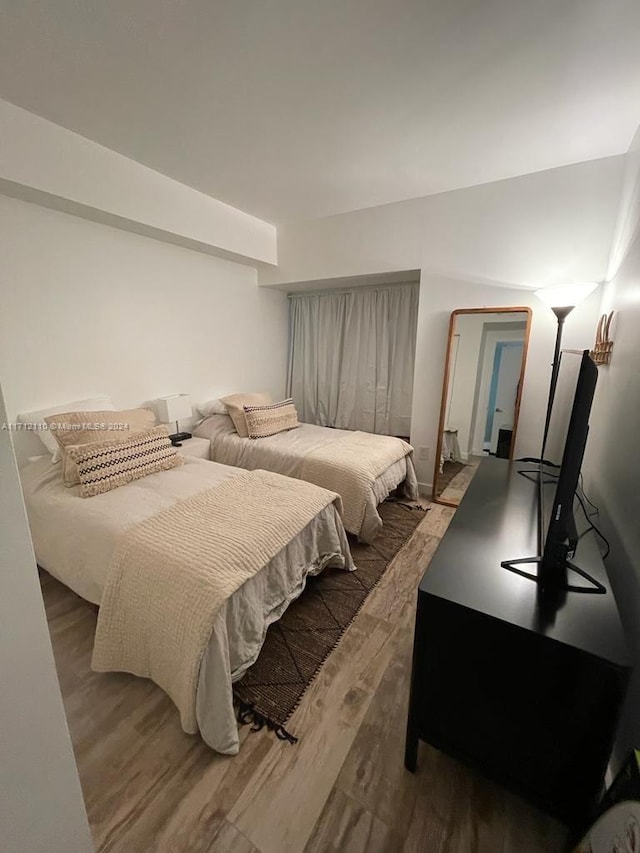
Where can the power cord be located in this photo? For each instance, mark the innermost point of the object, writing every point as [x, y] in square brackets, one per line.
[586, 497]
[582, 497]
[592, 526]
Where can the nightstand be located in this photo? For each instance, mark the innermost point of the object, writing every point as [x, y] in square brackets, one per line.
[198, 447]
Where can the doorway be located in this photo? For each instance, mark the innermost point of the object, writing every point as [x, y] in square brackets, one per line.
[503, 390]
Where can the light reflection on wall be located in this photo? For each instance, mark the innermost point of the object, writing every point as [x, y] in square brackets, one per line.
[628, 221]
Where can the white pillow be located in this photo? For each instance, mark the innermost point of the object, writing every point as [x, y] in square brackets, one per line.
[93, 404]
[212, 407]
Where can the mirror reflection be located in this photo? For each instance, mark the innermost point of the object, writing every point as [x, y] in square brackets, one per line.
[484, 370]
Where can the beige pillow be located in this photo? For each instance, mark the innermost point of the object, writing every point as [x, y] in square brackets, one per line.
[235, 408]
[106, 465]
[75, 428]
[269, 420]
[93, 404]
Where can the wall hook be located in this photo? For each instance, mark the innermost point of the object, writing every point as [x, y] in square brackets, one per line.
[601, 353]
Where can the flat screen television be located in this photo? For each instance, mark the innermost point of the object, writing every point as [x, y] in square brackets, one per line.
[561, 460]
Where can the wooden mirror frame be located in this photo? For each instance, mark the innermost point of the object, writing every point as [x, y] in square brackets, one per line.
[445, 385]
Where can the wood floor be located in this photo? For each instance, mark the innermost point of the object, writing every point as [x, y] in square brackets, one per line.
[149, 787]
[459, 484]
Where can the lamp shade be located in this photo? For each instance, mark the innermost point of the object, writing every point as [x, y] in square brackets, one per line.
[566, 296]
[174, 408]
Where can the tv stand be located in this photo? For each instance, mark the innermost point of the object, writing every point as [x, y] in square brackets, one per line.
[556, 582]
[594, 588]
[525, 687]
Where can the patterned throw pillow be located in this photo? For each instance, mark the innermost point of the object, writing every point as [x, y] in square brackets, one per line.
[74, 428]
[269, 420]
[105, 465]
[235, 410]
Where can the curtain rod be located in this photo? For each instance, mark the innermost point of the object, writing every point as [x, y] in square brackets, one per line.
[357, 287]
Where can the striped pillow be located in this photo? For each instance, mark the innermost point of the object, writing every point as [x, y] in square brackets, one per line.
[269, 420]
[235, 408]
[73, 428]
[105, 465]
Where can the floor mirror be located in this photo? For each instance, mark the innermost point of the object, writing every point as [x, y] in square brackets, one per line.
[482, 387]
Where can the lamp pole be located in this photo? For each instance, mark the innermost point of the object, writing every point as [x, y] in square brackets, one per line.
[561, 313]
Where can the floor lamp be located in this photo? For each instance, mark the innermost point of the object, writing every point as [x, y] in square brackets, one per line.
[562, 300]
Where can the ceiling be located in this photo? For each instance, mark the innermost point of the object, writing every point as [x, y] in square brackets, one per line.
[293, 109]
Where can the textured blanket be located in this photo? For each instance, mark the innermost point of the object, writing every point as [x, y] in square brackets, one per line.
[350, 465]
[172, 573]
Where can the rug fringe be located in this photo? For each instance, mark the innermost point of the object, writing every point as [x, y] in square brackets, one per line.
[247, 714]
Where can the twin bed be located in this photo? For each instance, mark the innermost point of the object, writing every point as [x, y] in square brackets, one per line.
[293, 453]
[156, 600]
[75, 540]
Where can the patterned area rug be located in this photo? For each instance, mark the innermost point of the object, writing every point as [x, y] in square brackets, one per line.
[298, 644]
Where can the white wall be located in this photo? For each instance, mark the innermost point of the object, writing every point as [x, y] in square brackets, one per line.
[41, 807]
[87, 308]
[438, 297]
[612, 467]
[534, 230]
[44, 162]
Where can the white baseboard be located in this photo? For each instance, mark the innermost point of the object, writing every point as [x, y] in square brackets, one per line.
[425, 489]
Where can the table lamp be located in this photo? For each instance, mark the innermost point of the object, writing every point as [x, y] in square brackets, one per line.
[174, 408]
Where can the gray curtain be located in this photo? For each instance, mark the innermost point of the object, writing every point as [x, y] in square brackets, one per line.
[351, 357]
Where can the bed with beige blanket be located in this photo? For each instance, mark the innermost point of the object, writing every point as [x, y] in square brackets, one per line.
[362, 468]
[189, 566]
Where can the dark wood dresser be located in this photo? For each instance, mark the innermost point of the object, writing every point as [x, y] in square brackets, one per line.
[526, 692]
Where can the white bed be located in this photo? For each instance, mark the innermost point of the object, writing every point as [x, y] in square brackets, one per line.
[74, 539]
[285, 451]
